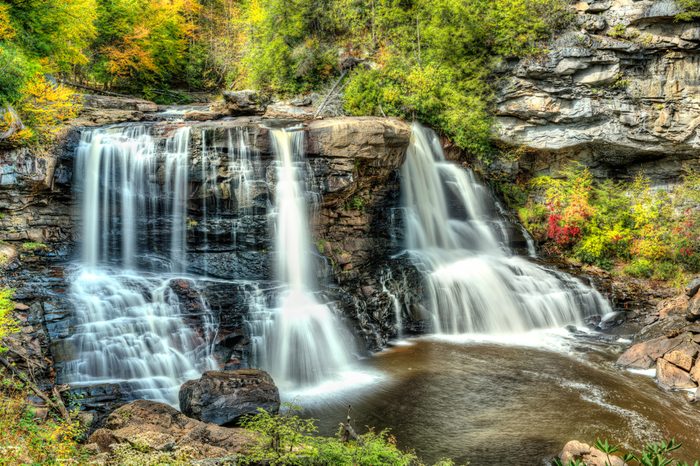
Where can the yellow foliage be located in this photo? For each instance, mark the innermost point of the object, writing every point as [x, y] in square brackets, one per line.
[44, 106]
[132, 56]
[6, 30]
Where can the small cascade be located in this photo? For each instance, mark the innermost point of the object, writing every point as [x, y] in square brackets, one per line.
[303, 343]
[474, 283]
[129, 327]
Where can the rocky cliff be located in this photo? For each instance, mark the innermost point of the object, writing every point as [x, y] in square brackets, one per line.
[618, 92]
[352, 176]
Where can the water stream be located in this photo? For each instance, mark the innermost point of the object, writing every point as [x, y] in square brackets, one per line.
[474, 283]
[302, 342]
[128, 326]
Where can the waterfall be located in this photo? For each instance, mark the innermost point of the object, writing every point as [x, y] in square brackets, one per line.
[129, 328]
[303, 343]
[474, 283]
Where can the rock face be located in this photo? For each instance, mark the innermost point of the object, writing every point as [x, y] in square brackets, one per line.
[224, 397]
[576, 451]
[246, 102]
[160, 427]
[620, 90]
[675, 352]
[352, 169]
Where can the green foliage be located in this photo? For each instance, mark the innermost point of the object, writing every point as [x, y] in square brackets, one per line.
[288, 439]
[137, 453]
[33, 246]
[433, 59]
[691, 10]
[26, 439]
[653, 454]
[8, 325]
[647, 232]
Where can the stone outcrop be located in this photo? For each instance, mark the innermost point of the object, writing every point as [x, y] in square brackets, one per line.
[673, 347]
[149, 425]
[619, 91]
[589, 456]
[225, 397]
[239, 103]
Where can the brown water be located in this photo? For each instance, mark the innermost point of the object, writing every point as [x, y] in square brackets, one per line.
[494, 404]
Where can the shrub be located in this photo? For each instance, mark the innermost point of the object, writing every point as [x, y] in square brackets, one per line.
[27, 440]
[44, 106]
[640, 268]
[8, 326]
[288, 439]
[608, 223]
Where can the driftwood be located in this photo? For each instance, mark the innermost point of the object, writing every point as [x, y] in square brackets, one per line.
[328, 96]
[56, 404]
[14, 123]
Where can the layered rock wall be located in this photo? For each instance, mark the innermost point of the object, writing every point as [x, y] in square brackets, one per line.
[619, 92]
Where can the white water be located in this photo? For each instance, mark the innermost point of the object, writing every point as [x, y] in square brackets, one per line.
[128, 324]
[473, 282]
[303, 342]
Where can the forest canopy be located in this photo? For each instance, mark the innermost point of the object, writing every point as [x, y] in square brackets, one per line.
[430, 59]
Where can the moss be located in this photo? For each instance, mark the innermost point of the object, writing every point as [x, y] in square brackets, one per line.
[34, 246]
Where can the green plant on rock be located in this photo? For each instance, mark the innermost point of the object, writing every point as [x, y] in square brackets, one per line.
[653, 454]
[618, 31]
[32, 246]
[8, 325]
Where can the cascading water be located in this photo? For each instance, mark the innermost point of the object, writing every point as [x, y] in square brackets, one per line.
[128, 324]
[302, 343]
[474, 283]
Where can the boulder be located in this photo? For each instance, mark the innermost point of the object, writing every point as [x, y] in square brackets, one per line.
[693, 312]
[670, 376]
[695, 372]
[578, 451]
[683, 356]
[224, 397]
[118, 103]
[692, 288]
[644, 355]
[248, 102]
[161, 427]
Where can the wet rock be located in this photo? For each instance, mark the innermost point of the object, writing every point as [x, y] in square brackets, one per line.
[644, 355]
[670, 376]
[577, 451]
[692, 288]
[224, 397]
[613, 319]
[163, 428]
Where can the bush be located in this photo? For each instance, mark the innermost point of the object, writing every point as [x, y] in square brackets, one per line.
[640, 268]
[289, 439]
[24, 439]
[608, 223]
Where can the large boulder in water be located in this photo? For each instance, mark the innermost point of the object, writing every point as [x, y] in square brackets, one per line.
[224, 397]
